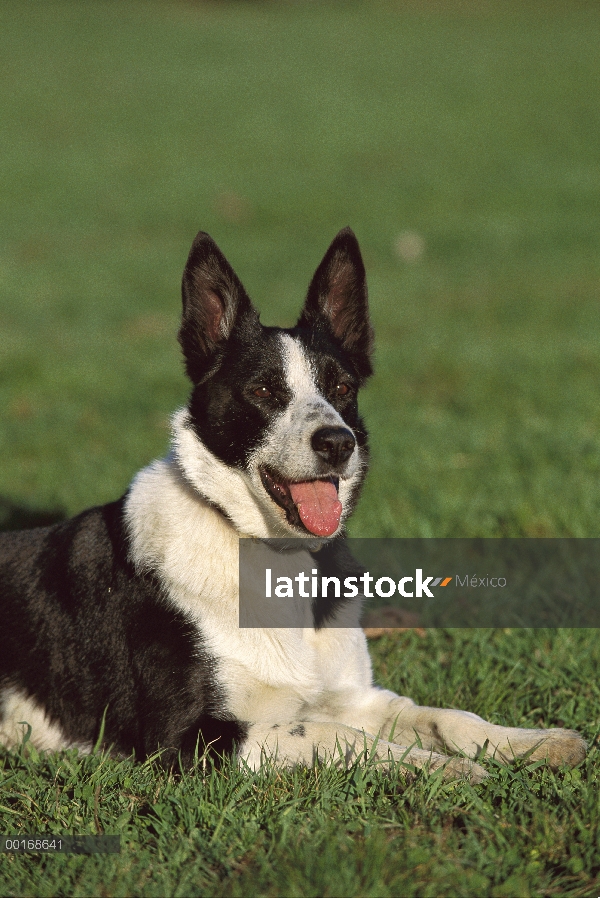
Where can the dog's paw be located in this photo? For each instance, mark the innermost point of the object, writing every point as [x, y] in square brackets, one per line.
[558, 747]
[555, 747]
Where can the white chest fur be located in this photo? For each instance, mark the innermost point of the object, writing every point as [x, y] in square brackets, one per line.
[267, 674]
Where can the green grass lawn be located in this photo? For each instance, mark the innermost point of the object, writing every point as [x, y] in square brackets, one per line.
[472, 126]
[525, 832]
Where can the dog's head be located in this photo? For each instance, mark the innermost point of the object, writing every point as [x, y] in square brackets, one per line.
[272, 434]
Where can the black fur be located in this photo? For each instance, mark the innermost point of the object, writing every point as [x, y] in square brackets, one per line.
[337, 305]
[214, 302]
[83, 633]
[333, 560]
[229, 419]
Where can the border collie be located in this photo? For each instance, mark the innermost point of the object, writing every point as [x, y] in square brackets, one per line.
[121, 626]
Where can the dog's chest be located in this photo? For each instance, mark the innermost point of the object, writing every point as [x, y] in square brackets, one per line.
[270, 674]
[275, 675]
[264, 674]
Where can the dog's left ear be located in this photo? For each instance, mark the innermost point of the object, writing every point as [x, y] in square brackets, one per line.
[337, 299]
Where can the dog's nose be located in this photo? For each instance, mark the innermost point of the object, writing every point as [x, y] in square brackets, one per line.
[334, 444]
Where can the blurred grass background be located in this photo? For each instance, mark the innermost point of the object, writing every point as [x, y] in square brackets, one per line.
[460, 140]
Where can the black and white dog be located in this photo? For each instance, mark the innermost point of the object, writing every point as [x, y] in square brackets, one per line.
[126, 616]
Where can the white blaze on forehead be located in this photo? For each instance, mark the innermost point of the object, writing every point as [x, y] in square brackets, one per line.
[299, 372]
[307, 403]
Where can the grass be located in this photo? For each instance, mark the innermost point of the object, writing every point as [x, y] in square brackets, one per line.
[474, 126]
[324, 832]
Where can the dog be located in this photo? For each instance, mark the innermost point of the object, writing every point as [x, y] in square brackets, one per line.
[120, 626]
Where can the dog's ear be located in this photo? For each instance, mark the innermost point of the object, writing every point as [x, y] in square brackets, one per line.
[214, 302]
[337, 298]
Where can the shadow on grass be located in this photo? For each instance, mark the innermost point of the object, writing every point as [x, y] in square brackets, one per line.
[21, 517]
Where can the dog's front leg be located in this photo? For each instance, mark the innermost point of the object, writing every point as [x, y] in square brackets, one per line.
[307, 742]
[462, 732]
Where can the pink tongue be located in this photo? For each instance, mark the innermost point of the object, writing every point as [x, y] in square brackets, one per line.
[318, 506]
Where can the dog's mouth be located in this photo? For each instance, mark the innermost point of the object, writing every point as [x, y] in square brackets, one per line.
[311, 504]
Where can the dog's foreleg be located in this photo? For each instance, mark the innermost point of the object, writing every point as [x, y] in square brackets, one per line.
[306, 743]
[449, 730]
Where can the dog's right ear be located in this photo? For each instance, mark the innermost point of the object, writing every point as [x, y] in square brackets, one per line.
[214, 301]
[337, 300]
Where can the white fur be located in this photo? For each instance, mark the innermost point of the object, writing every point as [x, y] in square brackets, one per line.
[17, 711]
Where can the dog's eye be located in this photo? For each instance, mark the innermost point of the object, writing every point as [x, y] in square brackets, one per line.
[263, 392]
[342, 390]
